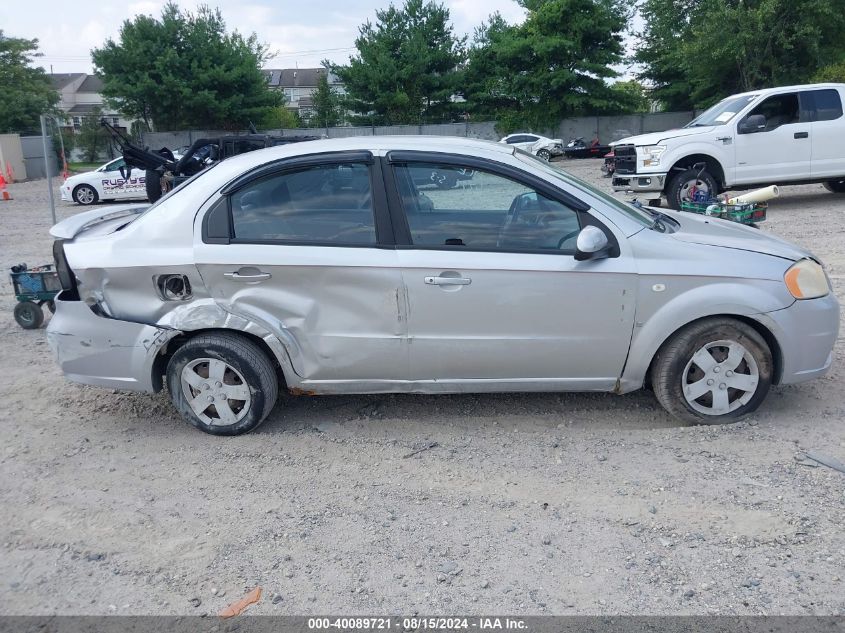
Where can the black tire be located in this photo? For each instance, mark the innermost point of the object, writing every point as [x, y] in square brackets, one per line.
[445, 179]
[85, 195]
[247, 359]
[835, 186]
[676, 191]
[152, 183]
[544, 154]
[675, 355]
[29, 315]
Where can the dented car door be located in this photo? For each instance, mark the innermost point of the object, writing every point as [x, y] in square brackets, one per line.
[300, 248]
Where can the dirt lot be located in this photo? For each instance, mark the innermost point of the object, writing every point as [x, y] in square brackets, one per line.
[526, 504]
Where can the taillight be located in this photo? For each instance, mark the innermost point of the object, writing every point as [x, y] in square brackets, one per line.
[66, 277]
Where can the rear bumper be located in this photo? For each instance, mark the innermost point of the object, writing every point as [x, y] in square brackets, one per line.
[806, 332]
[95, 350]
[66, 193]
[639, 182]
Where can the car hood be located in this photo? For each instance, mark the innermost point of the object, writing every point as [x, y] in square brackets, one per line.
[654, 138]
[83, 177]
[699, 229]
[103, 220]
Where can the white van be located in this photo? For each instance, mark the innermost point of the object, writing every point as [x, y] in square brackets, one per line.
[788, 135]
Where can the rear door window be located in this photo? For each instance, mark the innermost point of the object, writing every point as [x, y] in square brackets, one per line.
[826, 104]
[323, 204]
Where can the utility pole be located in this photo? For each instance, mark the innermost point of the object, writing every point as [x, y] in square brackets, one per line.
[47, 166]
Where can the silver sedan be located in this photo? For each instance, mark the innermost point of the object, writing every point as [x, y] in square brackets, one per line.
[336, 266]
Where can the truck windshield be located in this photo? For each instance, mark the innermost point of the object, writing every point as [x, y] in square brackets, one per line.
[722, 112]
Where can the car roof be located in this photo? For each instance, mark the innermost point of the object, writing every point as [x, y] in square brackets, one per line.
[376, 144]
[779, 89]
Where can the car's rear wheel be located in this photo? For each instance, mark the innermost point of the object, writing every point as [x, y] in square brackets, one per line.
[544, 154]
[713, 371]
[687, 183]
[223, 384]
[85, 195]
[835, 186]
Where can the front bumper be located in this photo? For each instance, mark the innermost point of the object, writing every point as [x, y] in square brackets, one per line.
[639, 182]
[96, 350]
[806, 332]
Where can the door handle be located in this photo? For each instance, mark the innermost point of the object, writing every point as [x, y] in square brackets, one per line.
[448, 281]
[801, 135]
[258, 276]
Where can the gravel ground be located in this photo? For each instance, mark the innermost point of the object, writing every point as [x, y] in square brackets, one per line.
[524, 504]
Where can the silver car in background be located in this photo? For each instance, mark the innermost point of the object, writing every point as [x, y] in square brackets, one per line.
[326, 267]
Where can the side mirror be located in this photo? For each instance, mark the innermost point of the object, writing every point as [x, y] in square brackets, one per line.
[591, 244]
[752, 123]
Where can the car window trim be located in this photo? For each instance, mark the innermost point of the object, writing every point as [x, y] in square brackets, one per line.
[291, 162]
[400, 221]
[382, 222]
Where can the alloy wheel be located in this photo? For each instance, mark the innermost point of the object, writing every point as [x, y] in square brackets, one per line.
[720, 377]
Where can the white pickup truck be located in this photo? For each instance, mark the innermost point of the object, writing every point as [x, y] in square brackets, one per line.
[788, 135]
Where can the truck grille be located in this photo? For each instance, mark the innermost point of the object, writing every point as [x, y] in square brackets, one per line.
[625, 159]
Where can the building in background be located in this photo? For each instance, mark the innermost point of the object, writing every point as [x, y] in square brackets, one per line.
[299, 85]
[79, 94]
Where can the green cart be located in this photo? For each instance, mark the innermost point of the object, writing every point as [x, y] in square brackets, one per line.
[34, 287]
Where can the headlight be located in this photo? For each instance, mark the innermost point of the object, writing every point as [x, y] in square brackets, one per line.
[805, 279]
[651, 154]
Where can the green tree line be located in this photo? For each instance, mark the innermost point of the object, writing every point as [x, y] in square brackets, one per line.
[187, 70]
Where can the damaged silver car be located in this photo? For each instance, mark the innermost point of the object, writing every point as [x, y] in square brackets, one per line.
[333, 267]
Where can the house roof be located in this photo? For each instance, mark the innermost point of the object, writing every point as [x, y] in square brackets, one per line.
[92, 83]
[87, 108]
[296, 77]
[60, 80]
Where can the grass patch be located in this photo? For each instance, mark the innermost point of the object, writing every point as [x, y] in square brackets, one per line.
[82, 167]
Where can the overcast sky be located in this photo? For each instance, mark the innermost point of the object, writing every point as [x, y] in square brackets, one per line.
[302, 32]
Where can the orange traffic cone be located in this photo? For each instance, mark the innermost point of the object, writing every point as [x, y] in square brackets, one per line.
[6, 195]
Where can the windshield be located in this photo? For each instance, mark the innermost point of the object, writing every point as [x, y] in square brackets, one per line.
[722, 112]
[179, 188]
[628, 209]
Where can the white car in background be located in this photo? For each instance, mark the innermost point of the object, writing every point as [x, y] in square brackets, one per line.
[105, 183]
[540, 146]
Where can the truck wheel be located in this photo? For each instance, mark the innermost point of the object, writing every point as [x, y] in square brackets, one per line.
[29, 315]
[835, 186]
[713, 371]
[223, 383]
[444, 180]
[85, 195]
[683, 185]
[152, 182]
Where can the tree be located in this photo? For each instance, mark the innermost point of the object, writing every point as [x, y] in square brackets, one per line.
[327, 108]
[91, 137]
[695, 52]
[405, 69]
[280, 118]
[25, 91]
[553, 65]
[834, 73]
[632, 96]
[185, 70]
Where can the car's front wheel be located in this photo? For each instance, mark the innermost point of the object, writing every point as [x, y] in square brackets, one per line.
[85, 195]
[835, 186]
[223, 383]
[683, 186]
[713, 371]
